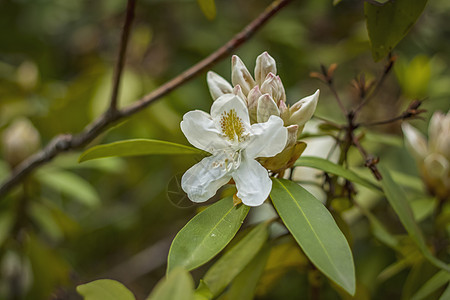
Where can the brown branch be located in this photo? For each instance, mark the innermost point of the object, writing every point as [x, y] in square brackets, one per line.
[121, 56]
[68, 142]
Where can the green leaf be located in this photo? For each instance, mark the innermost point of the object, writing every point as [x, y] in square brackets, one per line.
[315, 231]
[388, 23]
[137, 147]
[236, 259]
[438, 280]
[105, 289]
[244, 285]
[208, 8]
[177, 285]
[329, 167]
[398, 200]
[446, 294]
[206, 234]
[70, 184]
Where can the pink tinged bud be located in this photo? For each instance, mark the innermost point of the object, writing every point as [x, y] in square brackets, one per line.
[273, 86]
[304, 109]
[252, 101]
[240, 75]
[284, 111]
[266, 108]
[292, 135]
[217, 85]
[265, 64]
[237, 90]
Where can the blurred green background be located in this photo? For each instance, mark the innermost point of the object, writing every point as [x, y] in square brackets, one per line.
[71, 223]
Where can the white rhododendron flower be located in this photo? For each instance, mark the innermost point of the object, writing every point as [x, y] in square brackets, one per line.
[432, 157]
[234, 143]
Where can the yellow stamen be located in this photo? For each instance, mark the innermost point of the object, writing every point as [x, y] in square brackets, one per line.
[232, 126]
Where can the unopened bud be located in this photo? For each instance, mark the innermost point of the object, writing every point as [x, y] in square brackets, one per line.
[273, 86]
[217, 85]
[265, 64]
[240, 75]
[238, 92]
[20, 140]
[266, 108]
[303, 110]
[252, 102]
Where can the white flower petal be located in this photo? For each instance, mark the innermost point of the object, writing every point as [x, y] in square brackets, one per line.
[303, 110]
[240, 75]
[415, 142]
[267, 139]
[265, 64]
[228, 102]
[201, 131]
[217, 85]
[202, 180]
[252, 182]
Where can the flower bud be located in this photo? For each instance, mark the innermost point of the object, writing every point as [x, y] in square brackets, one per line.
[303, 110]
[265, 64]
[252, 102]
[20, 140]
[217, 85]
[238, 92]
[266, 108]
[415, 142]
[240, 75]
[273, 86]
[285, 159]
[439, 134]
[284, 111]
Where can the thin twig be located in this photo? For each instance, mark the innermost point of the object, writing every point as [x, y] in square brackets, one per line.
[67, 142]
[121, 56]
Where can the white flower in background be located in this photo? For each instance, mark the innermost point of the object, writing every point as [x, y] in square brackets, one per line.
[264, 97]
[234, 143]
[432, 157]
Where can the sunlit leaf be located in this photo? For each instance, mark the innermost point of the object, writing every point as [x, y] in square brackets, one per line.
[423, 208]
[206, 234]
[177, 285]
[437, 281]
[329, 167]
[105, 289]
[388, 23]
[70, 184]
[234, 260]
[315, 231]
[208, 8]
[398, 200]
[137, 147]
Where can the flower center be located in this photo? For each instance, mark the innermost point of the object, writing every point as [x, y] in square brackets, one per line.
[232, 126]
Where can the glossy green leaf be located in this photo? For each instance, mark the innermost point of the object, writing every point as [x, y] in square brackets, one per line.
[398, 200]
[105, 289]
[315, 231]
[329, 167]
[437, 281]
[69, 184]
[137, 147]
[206, 234]
[388, 23]
[244, 285]
[208, 8]
[177, 285]
[236, 259]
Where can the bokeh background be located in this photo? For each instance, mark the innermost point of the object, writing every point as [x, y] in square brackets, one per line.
[70, 223]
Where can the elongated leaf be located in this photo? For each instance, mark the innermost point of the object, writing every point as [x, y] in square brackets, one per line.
[329, 167]
[446, 294]
[244, 285]
[177, 285]
[388, 23]
[105, 289]
[438, 280]
[206, 234]
[234, 261]
[315, 231]
[398, 200]
[69, 184]
[208, 8]
[137, 147]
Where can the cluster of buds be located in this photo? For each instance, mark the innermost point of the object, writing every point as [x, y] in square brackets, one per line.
[264, 96]
[432, 157]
